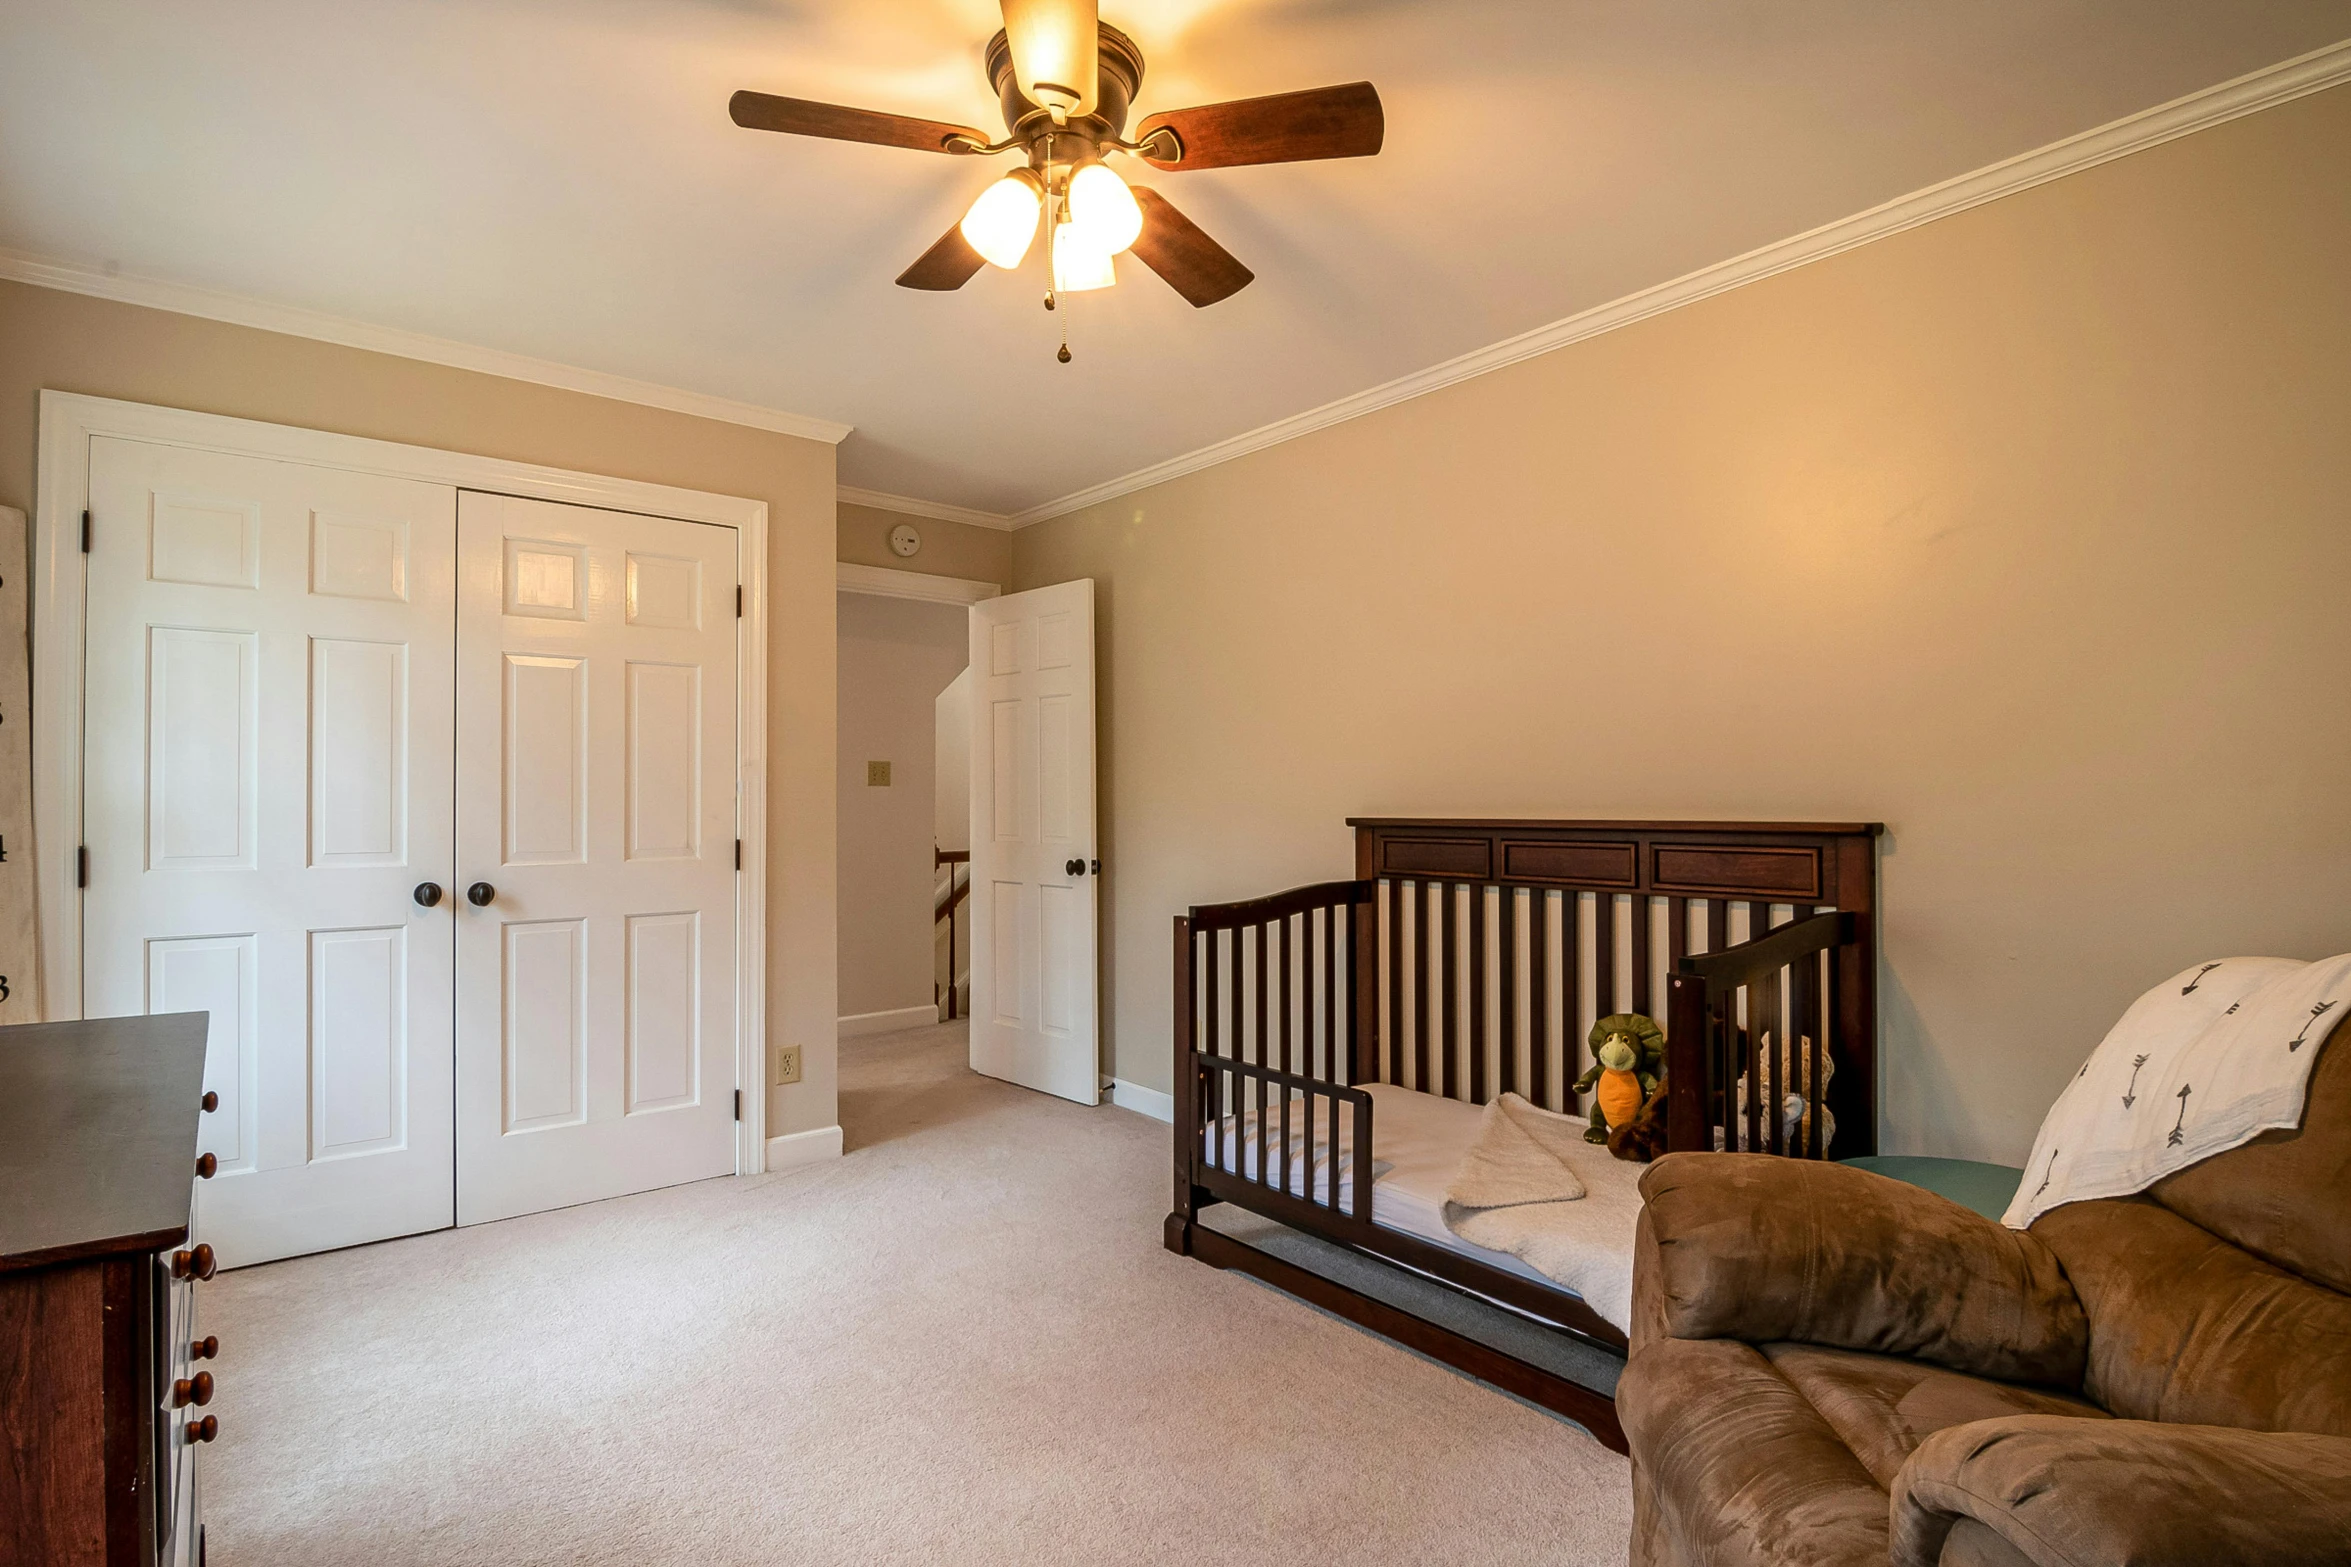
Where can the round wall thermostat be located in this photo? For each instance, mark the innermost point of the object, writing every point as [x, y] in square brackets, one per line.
[904, 540]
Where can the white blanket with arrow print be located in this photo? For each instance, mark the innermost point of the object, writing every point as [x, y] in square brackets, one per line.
[2208, 1060]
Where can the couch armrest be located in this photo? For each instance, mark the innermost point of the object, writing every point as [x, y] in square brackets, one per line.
[2089, 1493]
[1760, 1248]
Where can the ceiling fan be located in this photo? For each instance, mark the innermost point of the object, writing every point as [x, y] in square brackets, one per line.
[1066, 80]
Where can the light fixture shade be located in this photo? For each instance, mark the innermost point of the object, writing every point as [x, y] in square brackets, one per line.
[1055, 53]
[1003, 221]
[1103, 209]
[1079, 264]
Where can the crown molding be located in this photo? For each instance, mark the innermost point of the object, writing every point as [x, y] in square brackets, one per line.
[2248, 94]
[885, 582]
[241, 310]
[937, 510]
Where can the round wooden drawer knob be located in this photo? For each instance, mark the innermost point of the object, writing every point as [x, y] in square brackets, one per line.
[206, 1166]
[210, 1101]
[204, 1430]
[195, 1390]
[198, 1263]
[205, 1348]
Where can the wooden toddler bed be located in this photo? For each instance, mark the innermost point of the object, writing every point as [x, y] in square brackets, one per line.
[1333, 1042]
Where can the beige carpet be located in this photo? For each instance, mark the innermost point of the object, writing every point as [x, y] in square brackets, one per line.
[960, 1343]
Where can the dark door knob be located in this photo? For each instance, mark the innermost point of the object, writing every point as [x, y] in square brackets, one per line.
[205, 1348]
[203, 1430]
[210, 1101]
[197, 1263]
[427, 894]
[480, 894]
[192, 1390]
[1073, 867]
[206, 1165]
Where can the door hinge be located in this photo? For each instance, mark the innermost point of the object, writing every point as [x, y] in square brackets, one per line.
[81, 865]
[738, 1104]
[85, 531]
[738, 601]
[738, 854]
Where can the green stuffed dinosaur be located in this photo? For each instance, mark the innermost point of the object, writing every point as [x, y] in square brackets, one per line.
[1628, 1056]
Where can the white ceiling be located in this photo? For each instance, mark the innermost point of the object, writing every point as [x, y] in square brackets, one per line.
[558, 178]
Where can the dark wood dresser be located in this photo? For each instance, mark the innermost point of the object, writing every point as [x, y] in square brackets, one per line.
[102, 1392]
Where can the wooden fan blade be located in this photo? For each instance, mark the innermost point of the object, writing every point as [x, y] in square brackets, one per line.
[1290, 127]
[1180, 251]
[946, 266]
[758, 111]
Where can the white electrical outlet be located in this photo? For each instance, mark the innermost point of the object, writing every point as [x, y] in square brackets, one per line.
[787, 1064]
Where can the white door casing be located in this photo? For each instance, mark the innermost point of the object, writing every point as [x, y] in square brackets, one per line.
[269, 676]
[1034, 1018]
[596, 657]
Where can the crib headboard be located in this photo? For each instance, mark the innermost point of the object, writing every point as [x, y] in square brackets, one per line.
[1473, 922]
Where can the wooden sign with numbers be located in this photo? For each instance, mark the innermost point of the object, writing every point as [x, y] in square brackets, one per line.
[20, 972]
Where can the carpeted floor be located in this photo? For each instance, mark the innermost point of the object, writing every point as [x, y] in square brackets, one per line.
[962, 1343]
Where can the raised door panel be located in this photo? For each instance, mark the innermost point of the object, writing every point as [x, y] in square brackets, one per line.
[664, 1001]
[546, 784]
[664, 761]
[203, 724]
[219, 976]
[546, 1024]
[359, 724]
[358, 1042]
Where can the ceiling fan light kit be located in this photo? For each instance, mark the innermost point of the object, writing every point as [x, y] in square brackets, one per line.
[1066, 81]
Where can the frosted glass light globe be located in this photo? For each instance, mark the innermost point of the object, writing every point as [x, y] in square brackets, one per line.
[1003, 221]
[1078, 264]
[1103, 209]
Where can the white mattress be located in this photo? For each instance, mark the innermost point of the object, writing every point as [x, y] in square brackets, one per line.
[1417, 1143]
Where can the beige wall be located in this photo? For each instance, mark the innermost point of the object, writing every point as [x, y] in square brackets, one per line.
[74, 344]
[897, 655]
[2027, 532]
[949, 549]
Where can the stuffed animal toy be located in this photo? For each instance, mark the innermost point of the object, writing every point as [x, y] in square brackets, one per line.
[1628, 1056]
[1643, 1137]
[1793, 1079]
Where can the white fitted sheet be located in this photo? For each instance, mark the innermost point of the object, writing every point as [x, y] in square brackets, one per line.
[1417, 1143]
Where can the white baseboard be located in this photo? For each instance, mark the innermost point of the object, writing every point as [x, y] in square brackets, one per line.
[859, 1024]
[1141, 1100]
[794, 1149]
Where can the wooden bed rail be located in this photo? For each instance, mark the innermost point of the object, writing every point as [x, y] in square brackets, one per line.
[1749, 1026]
[1265, 1004]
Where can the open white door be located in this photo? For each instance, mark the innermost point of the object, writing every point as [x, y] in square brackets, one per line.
[1033, 868]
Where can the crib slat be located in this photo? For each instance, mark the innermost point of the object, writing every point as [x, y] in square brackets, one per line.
[1718, 924]
[1642, 918]
[1571, 988]
[1477, 992]
[1509, 1055]
[1754, 1105]
[1284, 1162]
[1450, 990]
[1330, 988]
[1803, 1003]
[1603, 955]
[1538, 993]
[1764, 1021]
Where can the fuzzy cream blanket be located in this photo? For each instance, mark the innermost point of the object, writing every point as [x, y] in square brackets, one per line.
[1529, 1185]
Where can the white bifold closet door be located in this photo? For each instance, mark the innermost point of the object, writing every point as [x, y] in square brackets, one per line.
[596, 818]
[1033, 870]
[311, 694]
[266, 774]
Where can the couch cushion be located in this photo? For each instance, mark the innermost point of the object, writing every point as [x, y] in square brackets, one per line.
[1882, 1406]
[1741, 1469]
[2186, 1327]
[2285, 1196]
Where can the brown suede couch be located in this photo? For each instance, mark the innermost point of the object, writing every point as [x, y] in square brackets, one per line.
[1830, 1367]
